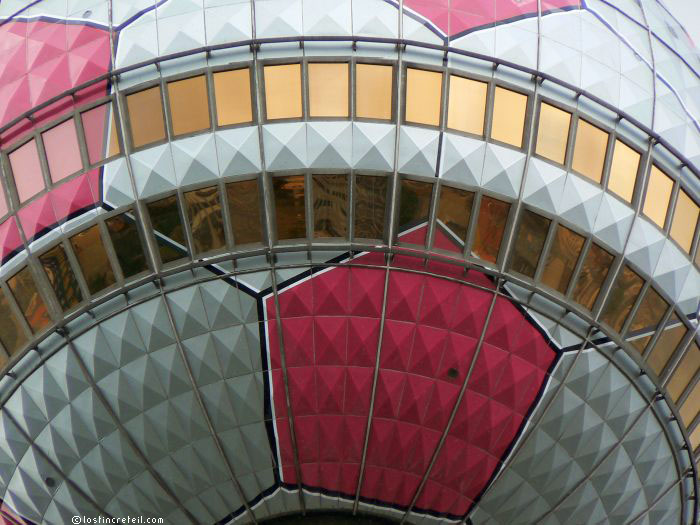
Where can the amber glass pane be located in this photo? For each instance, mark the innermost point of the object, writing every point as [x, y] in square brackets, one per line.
[490, 227]
[244, 211]
[189, 105]
[373, 91]
[593, 273]
[29, 300]
[589, 150]
[532, 232]
[61, 277]
[621, 299]
[695, 439]
[641, 343]
[665, 345]
[623, 170]
[454, 211]
[167, 227]
[684, 372]
[466, 105]
[691, 406]
[328, 90]
[283, 91]
[562, 259]
[415, 206]
[233, 100]
[206, 220]
[650, 311]
[330, 205]
[553, 133]
[685, 220]
[289, 207]
[127, 244]
[508, 116]
[423, 96]
[146, 116]
[94, 263]
[657, 196]
[11, 334]
[114, 148]
[370, 206]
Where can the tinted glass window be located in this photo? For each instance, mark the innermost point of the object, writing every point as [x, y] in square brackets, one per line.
[290, 207]
[29, 300]
[330, 194]
[592, 276]
[94, 263]
[532, 232]
[493, 215]
[370, 206]
[244, 211]
[233, 100]
[206, 219]
[61, 277]
[167, 228]
[189, 105]
[146, 116]
[562, 259]
[454, 211]
[127, 244]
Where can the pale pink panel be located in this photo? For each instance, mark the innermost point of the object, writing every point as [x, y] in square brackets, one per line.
[3, 202]
[94, 126]
[27, 171]
[62, 150]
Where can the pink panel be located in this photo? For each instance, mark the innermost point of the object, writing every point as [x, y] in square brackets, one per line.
[404, 296]
[330, 294]
[330, 338]
[62, 150]
[428, 345]
[26, 170]
[438, 302]
[470, 312]
[10, 240]
[94, 126]
[37, 217]
[297, 304]
[72, 197]
[366, 291]
[396, 345]
[3, 202]
[298, 341]
[363, 337]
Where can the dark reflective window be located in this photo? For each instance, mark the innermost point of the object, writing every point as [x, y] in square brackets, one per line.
[688, 368]
[562, 259]
[11, 333]
[650, 311]
[330, 205]
[621, 299]
[665, 346]
[592, 276]
[493, 215]
[289, 206]
[61, 277]
[206, 220]
[94, 263]
[532, 232]
[29, 300]
[370, 206]
[127, 244]
[414, 206]
[454, 212]
[167, 228]
[244, 211]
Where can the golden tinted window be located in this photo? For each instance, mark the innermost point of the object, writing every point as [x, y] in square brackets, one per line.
[12, 335]
[493, 215]
[61, 276]
[553, 133]
[423, 96]
[233, 100]
[592, 276]
[508, 116]
[650, 312]
[167, 228]
[93, 260]
[189, 105]
[29, 300]
[589, 150]
[244, 211]
[562, 259]
[330, 194]
[414, 208]
[290, 207]
[695, 439]
[146, 116]
[685, 221]
[370, 206]
[466, 105]
[127, 244]
[691, 406]
[684, 373]
[532, 232]
[666, 344]
[283, 91]
[623, 170]
[657, 196]
[454, 212]
[621, 298]
[328, 90]
[373, 90]
[206, 219]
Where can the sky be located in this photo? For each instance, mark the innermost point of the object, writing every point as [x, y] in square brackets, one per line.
[688, 12]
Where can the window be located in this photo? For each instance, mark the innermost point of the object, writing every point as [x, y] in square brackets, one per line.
[244, 211]
[101, 137]
[61, 277]
[62, 150]
[684, 372]
[666, 345]
[454, 212]
[623, 171]
[233, 98]
[650, 312]
[553, 133]
[493, 215]
[374, 86]
[423, 96]
[685, 220]
[27, 171]
[146, 116]
[621, 298]
[330, 194]
[29, 300]
[127, 244]
[414, 207]
[206, 219]
[592, 276]
[290, 207]
[328, 90]
[658, 196]
[12, 335]
[691, 406]
[589, 150]
[167, 228]
[283, 91]
[370, 206]
[189, 105]
[94, 263]
[532, 232]
[466, 105]
[562, 258]
[508, 116]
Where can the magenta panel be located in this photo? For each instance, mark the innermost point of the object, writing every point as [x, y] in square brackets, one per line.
[94, 126]
[62, 150]
[10, 241]
[37, 217]
[74, 196]
[4, 208]
[26, 170]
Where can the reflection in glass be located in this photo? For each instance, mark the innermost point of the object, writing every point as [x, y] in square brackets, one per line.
[233, 100]
[167, 228]
[93, 260]
[206, 220]
[593, 273]
[12, 336]
[100, 129]
[146, 116]
[370, 206]
[532, 232]
[650, 312]
[508, 116]
[244, 211]
[289, 207]
[283, 91]
[373, 89]
[684, 372]
[621, 298]
[330, 194]
[466, 105]
[685, 220]
[553, 133]
[589, 150]
[454, 211]
[61, 277]
[691, 406]
[695, 439]
[657, 196]
[189, 105]
[127, 244]
[423, 96]
[328, 90]
[415, 206]
[493, 215]
[29, 300]
[665, 345]
[623, 170]
[562, 259]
